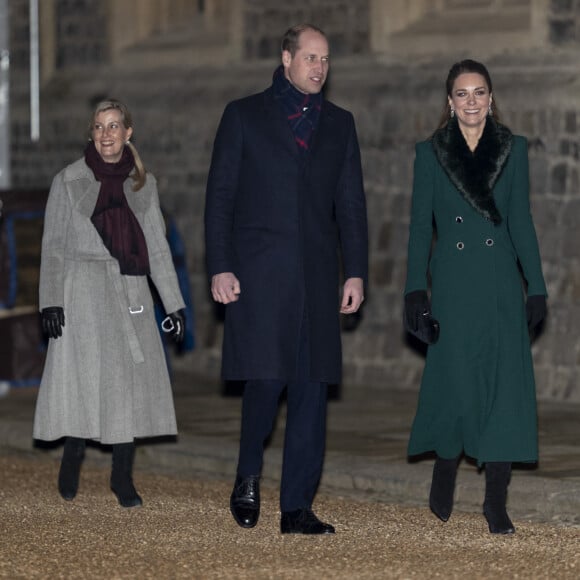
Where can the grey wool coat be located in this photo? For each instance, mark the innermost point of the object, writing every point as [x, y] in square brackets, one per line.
[106, 377]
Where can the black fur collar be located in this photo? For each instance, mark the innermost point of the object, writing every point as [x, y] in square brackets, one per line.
[474, 174]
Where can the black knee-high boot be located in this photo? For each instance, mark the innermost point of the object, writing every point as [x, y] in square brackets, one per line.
[122, 475]
[497, 477]
[70, 467]
[443, 487]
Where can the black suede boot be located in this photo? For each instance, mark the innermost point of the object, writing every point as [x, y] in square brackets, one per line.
[70, 467]
[497, 477]
[443, 487]
[122, 475]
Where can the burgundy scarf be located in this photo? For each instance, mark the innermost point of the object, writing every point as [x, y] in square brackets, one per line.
[113, 218]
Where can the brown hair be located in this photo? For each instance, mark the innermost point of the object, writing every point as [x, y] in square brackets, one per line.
[139, 176]
[291, 37]
[459, 68]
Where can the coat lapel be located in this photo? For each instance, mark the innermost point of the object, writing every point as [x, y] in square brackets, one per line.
[85, 191]
[475, 174]
[323, 129]
[278, 124]
[138, 200]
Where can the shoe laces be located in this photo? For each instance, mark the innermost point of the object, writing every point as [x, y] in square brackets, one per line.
[248, 487]
[307, 516]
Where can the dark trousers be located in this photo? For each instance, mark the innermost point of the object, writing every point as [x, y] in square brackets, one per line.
[305, 437]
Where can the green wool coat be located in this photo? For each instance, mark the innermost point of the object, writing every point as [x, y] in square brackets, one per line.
[477, 394]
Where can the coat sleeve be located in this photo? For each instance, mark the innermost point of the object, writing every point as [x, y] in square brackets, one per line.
[421, 225]
[221, 192]
[351, 213]
[163, 272]
[57, 217]
[520, 223]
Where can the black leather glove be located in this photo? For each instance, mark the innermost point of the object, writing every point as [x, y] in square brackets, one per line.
[178, 321]
[416, 304]
[535, 310]
[52, 321]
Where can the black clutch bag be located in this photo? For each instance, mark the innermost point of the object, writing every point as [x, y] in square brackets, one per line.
[427, 328]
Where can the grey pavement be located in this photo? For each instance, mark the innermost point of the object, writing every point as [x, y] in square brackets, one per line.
[366, 449]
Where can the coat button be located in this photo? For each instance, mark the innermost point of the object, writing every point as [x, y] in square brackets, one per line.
[489, 242]
[460, 245]
[459, 219]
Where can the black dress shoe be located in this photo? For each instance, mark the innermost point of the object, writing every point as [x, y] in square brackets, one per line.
[245, 501]
[303, 521]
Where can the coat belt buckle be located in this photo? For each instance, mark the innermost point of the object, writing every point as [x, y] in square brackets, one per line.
[167, 325]
[136, 310]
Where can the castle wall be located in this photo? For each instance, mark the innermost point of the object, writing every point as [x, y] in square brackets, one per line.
[396, 102]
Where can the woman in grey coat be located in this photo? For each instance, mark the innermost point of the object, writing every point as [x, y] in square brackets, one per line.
[105, 376]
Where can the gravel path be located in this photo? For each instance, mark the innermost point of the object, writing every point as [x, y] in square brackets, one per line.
[184, 530]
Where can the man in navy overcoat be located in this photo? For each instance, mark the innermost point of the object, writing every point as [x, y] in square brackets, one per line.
[285, 198]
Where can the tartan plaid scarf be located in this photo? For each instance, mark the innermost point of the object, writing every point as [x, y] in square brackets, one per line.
[302, 110]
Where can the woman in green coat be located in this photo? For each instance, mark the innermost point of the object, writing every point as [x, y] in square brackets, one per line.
[477, 393]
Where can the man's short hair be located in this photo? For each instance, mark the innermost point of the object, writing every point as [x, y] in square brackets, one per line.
[292, 36]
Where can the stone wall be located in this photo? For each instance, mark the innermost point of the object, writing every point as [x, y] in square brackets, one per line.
[264, 21]
[402, 108]
[564, 22]
[177, 109]
[19, 37]
[81, 40]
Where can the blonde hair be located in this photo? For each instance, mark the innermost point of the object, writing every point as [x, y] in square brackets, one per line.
[139, 176]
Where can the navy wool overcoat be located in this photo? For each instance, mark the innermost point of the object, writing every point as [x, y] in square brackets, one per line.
[278, 219]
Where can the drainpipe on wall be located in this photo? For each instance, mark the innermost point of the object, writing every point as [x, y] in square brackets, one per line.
[5, 173]
[34, 73]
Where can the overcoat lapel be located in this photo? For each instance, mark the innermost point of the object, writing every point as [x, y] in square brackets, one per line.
[278, 124]
[86, 192]
[137, 200]
[323, 130]
[475, 173]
